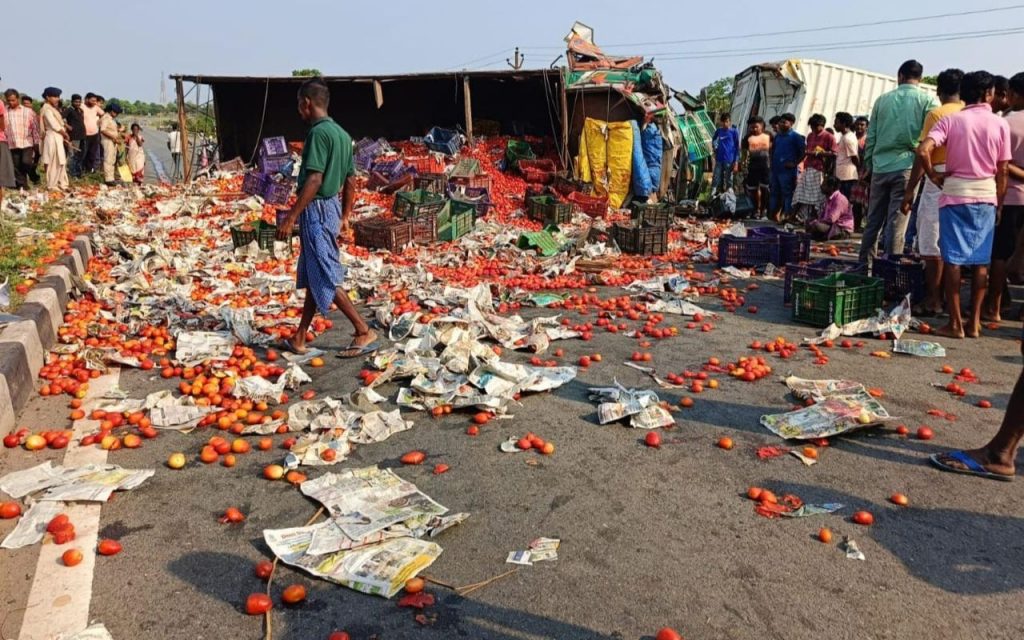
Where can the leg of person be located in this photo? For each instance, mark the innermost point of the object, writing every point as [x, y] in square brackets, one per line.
[33, 167]
[109, 161]
[896, 222]
[363, 337]
[774, 195]
[20, 176]
[953, 243]
[177, 166]
[979, 284]
[876, 217]
[788, 188]
[1003, 246]
[928, 247]
[819, 230]
[996, 459]
[951, 284]
[298, 342]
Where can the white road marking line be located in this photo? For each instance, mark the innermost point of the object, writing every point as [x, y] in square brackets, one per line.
[59, 599]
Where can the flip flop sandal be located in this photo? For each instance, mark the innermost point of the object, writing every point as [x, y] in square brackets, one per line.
[364, 350]
[974, 468]
[286, 345]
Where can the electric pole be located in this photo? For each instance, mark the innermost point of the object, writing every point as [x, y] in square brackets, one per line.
[518, 64]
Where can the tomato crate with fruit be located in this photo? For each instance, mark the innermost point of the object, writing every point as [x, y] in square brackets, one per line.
[593, 206]
[416, 203]
[818, 269]
[549, 210]
[839, 298]
[516, 150]
[263, 233]
[253, 183]
[901, 276]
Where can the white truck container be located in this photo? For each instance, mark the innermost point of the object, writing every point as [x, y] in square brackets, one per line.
[806, 87]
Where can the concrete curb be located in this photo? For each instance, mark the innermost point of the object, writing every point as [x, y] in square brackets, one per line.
[24, 344]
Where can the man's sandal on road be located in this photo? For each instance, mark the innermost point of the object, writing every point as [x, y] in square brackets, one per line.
[973, 467]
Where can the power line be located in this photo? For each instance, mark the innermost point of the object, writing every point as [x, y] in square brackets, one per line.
[500, 52]
[876, 23]
[834, 46]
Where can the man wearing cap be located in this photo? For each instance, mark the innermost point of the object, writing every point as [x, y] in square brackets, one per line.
[74, 116]
[110, 135]
[55, 136]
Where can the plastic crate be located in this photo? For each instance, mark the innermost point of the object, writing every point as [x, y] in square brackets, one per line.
[277, 192]
[430, 163]
[458, 220]
[480, 181]
[734, 251]
[818, 269]
[565, 186]
[253, 183]
[389, 168]
[242, 235]
[383, 233]
[443, 141]
[838, 299]
[367, 150]
[549, 210]
[477, 198]
[424, 228]
[538, 171]
[274, 164]
[466, 168]
[658, 214]
[793, 247]
[641, 241]
[274, 146]
[593, 206]
[432, 182]
[901, 276]
[416, 203]
[515, 151]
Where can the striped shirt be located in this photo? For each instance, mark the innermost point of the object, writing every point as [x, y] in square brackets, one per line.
[3, 131]
[22, 128]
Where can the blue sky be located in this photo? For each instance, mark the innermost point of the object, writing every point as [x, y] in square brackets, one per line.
[132, 42]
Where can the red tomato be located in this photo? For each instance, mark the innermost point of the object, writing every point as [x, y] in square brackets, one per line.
[293, 594]
[653, 439]
[863, 518]
[667, 633]
[10, 510]
[414, 457]
[257, 604]
[108, 547]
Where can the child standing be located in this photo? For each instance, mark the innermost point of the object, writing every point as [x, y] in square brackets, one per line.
[726, 141]
[136, 154]
[756, 148]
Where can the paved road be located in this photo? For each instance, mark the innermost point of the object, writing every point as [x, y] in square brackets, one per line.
[650, 537]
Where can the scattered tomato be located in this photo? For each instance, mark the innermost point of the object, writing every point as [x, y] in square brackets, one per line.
[258, 604]
[293, 594]
[863, 518]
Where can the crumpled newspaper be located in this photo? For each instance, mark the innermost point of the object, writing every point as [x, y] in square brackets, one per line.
[91, 482]
[642, 406]
[895, 322]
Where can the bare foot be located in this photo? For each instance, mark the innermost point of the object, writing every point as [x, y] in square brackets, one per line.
[989, 316]
[972, 330]
[359, 342]
[948, 331]
[982, 457]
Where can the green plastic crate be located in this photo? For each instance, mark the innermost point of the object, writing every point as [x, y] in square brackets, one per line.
[413, 204]
[457, 219]
[697, 130]
[839, 298]
[515, 151]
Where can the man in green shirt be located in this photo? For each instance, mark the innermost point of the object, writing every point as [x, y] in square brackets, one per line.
[326, 167]
[893, 134]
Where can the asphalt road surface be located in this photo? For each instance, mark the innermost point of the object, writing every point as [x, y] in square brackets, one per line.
[650, 537]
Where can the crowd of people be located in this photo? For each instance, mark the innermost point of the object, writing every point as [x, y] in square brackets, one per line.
[65, 140]
[938, 176]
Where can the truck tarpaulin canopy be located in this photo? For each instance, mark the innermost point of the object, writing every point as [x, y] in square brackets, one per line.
[520, 102]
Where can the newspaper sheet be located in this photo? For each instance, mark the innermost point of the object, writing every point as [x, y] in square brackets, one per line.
[378, 569]
[819, 389]
[831, 416]
[366, 500]
[32, 525]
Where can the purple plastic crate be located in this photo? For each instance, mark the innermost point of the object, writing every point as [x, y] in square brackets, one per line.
[818, 269]
[253, 183]
[793, 247]
[901, 276]
[277, 192]
[747, 252]
[368, 150]
[275, 146]
[389, 169]
[274, 164]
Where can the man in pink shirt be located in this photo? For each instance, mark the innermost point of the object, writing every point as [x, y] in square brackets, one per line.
[977, 144]
[7, 180]
[836, 219]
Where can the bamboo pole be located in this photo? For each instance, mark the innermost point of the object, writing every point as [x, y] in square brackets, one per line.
[186, 158]
[468, 103]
